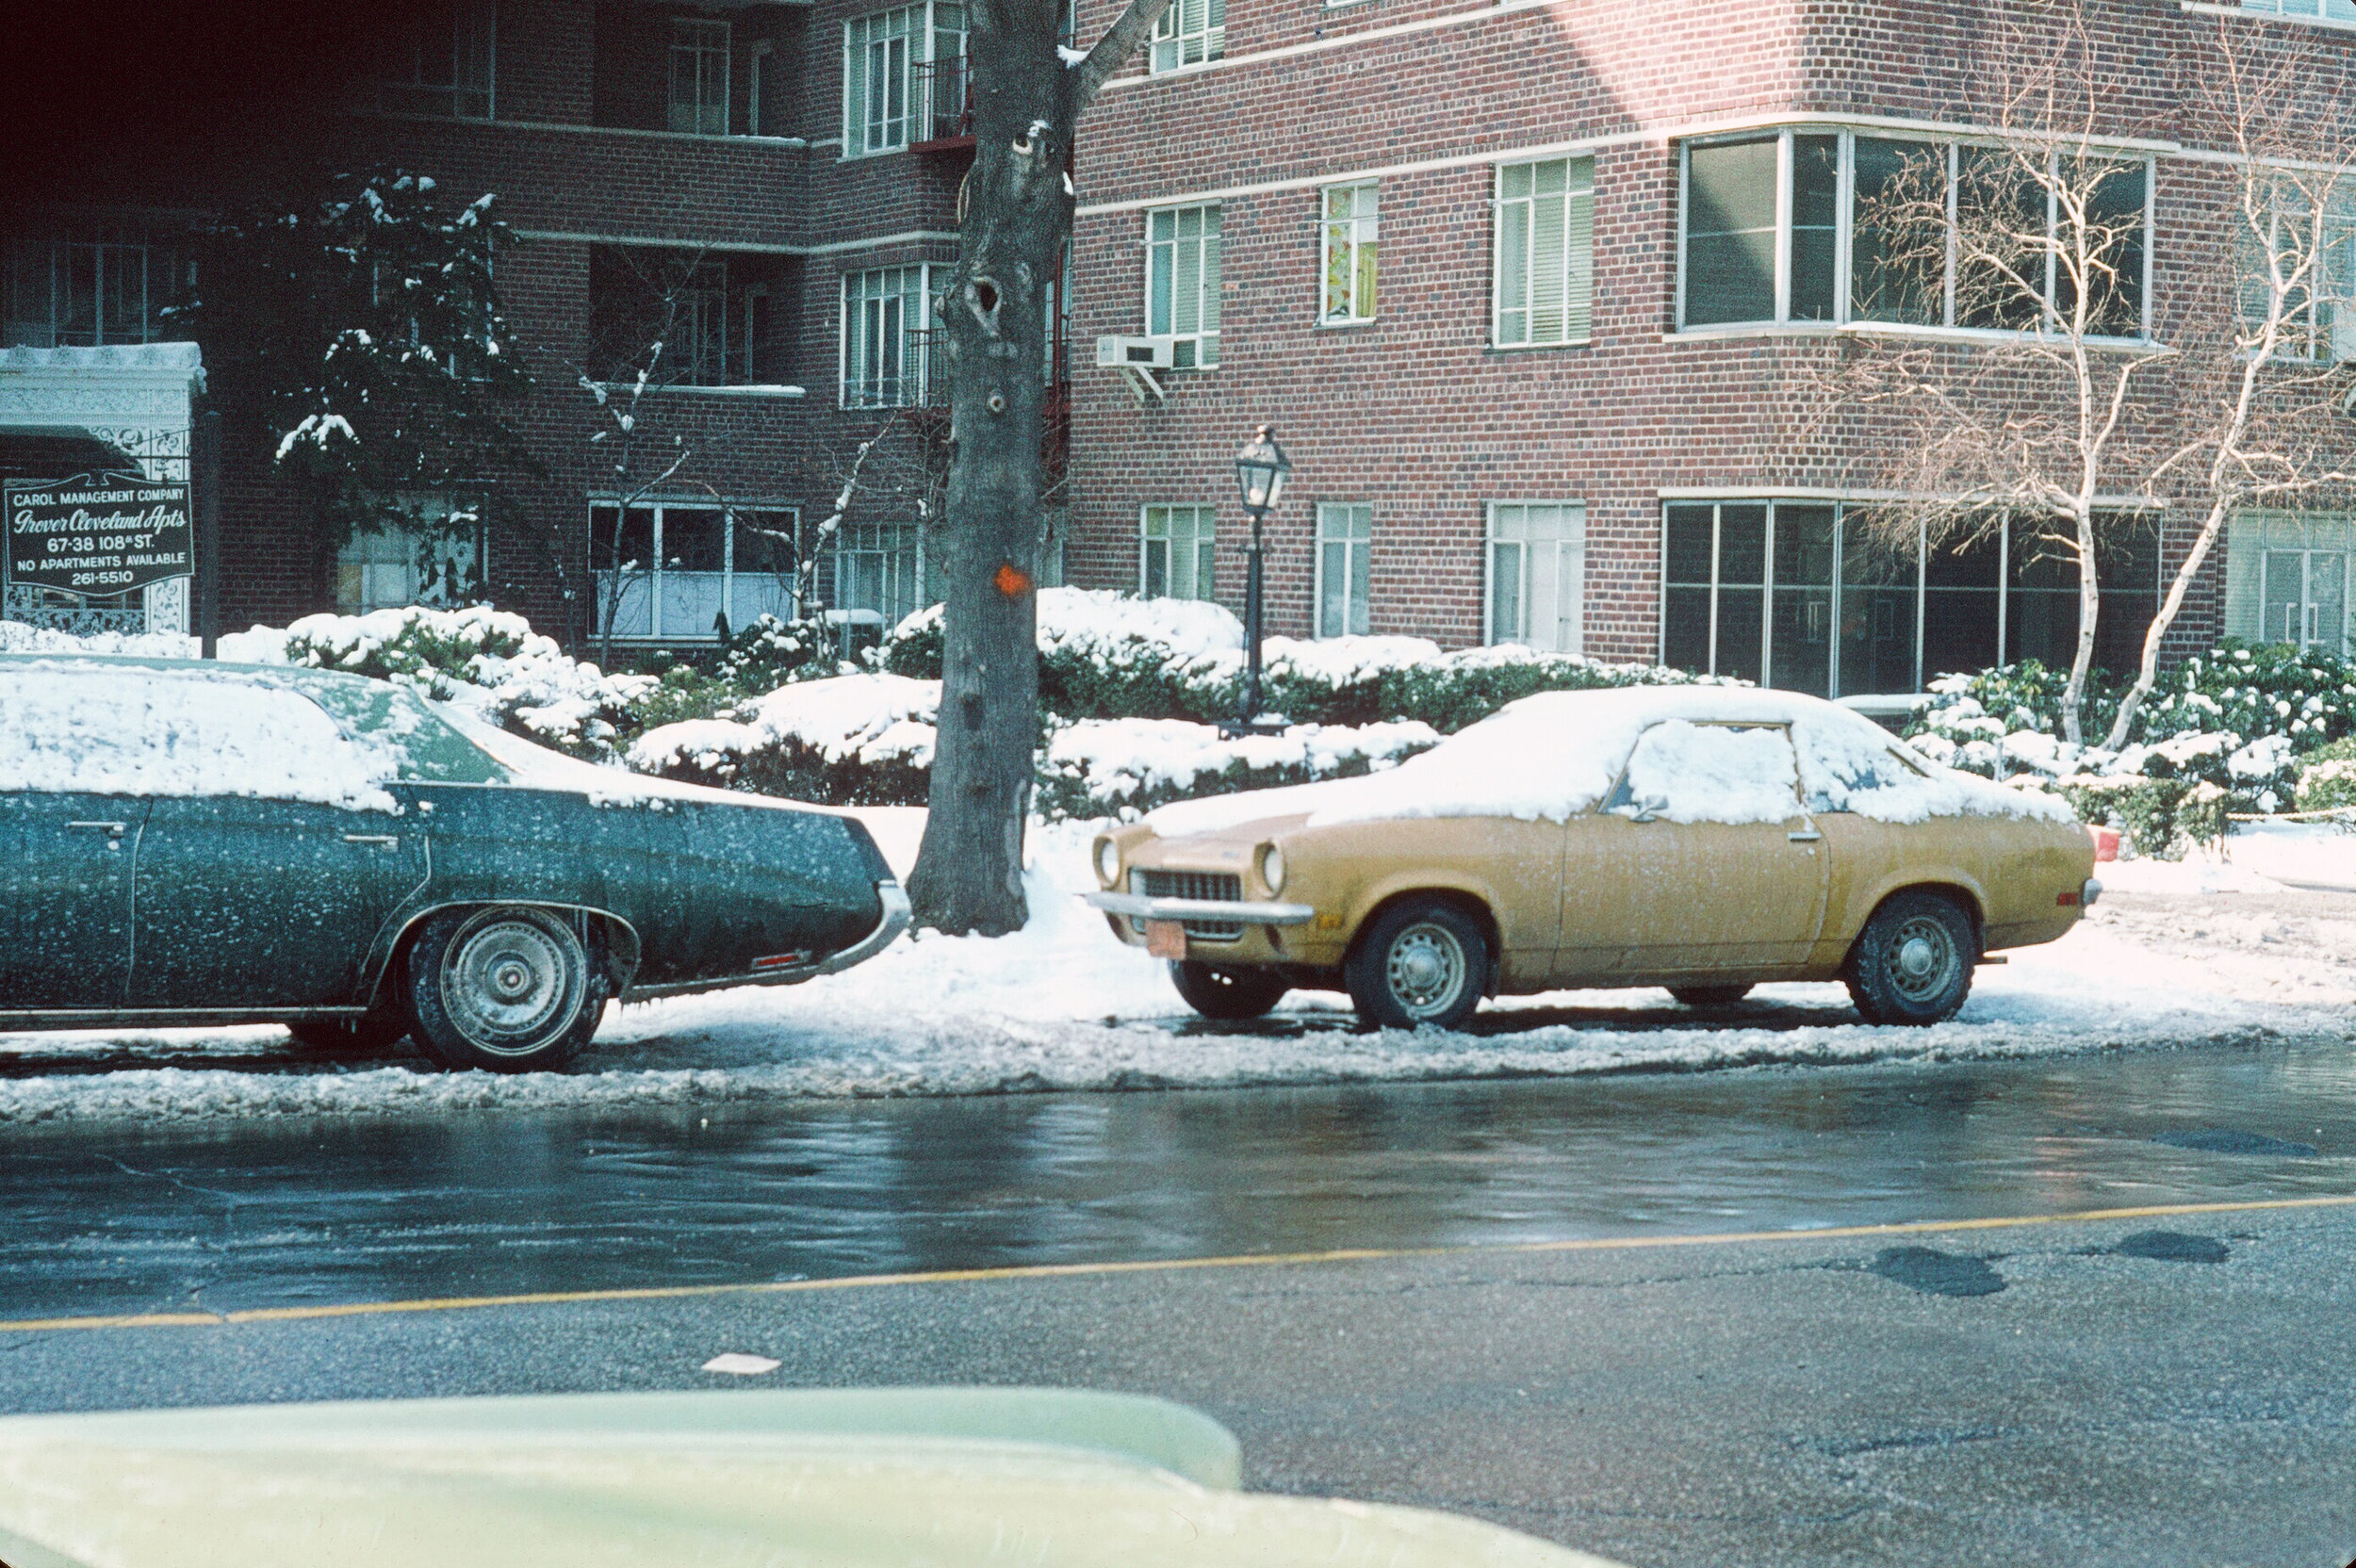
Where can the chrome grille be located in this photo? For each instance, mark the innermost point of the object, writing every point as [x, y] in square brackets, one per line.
[1212, 887]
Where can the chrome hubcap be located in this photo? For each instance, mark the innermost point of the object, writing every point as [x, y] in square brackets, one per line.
[512, 982]
[1426, 971]
[1923, 959]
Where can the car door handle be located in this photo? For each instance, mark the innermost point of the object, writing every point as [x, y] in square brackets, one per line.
[1808, 837]
[112, 829]
[386, 838]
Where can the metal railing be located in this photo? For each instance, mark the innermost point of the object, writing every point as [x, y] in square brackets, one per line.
[944, 98]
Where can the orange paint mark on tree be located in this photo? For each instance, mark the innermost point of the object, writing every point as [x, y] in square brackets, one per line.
[1012, 580]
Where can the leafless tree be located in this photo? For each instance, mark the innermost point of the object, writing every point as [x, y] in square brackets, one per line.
[1015, 218]
[2031, 233]
[2263, 416]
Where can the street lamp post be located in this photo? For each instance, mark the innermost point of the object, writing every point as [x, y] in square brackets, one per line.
[1261, 469]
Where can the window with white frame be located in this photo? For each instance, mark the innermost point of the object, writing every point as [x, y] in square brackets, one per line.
[758, 65]
[1537, 574]
[437, 59]
[1348, 238]
[2333, 10]
[1190, 32]
[1546, 261]
[2300, 268]
[891, 62]
[1345, 559]
[699, 76]
[1834, 598]
[1805, 225]
[1182, 283]
[886, 322]
[2287, 580]
[93, 287]
[689, 570]
[1175, 560]
[878, 579]
[441, 560]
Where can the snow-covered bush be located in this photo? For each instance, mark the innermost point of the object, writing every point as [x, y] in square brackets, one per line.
[768, 653]
[2326, 779]
[485, 659]
[857, 740]
[1126, 767]
[1108, 655]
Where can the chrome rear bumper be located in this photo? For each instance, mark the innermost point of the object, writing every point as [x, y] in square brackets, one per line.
[895, 921]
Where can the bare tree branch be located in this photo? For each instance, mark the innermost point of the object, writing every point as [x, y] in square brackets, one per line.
[1113, 50]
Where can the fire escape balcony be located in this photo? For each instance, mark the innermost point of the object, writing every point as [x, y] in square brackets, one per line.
[945, 104]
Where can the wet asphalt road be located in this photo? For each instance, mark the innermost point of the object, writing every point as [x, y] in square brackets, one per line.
[2172, 1388]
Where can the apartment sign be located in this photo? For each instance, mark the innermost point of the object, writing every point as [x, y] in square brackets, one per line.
[94, 534]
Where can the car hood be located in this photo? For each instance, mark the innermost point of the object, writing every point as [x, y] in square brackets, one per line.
[854, 1477]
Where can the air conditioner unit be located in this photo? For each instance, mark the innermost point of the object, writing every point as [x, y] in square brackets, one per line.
[1137, 359]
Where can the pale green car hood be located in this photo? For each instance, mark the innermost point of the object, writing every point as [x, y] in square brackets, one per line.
[897, 1476]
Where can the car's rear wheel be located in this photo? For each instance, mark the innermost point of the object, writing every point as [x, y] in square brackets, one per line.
[1227, 993]
[1912, 963]
[381, 1028]
[506, 989]
[1418, 962]
[1709, 996]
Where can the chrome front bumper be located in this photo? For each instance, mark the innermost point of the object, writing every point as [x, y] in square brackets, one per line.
[1200, 910]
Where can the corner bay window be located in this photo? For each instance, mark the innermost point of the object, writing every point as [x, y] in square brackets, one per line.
[1345, 558]
[1545, 223]
[2287, 580]
[699, 76]
[1837, 226]
[1808, 596]
[673, 570]
[1182, 283]
[96, 286]
[1174, 559]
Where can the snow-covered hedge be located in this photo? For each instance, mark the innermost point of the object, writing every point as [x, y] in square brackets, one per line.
[1126, 767]
[1106, 656]
[2230, 730]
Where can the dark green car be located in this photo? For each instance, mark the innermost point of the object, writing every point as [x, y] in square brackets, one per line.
[201, 844]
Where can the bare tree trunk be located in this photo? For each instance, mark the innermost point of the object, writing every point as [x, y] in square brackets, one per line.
[2147, 671]
[2090, 615]
[1017, 211]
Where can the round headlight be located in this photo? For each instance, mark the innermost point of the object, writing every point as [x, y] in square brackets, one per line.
[1108, 861]
[1272, 869]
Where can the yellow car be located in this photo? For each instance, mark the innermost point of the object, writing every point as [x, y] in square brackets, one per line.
[1705, 838]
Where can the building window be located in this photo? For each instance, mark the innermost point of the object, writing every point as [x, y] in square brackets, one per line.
[1836, 227]
[443, 565]
[101, 287]
[682, 571]
[1345, 555]
[1812, 597]
[1348, 230]
[2286, 579]
[757, 67]
[1546, 263]
[438, 60]
[890, 63]
[709, 317]
[885, 336]
[1190, 32]
[1182, 283]
[2334, 10]
[878, 580]
[1537, 572]
[2312, 262]
[699, 76]
[1174, 562]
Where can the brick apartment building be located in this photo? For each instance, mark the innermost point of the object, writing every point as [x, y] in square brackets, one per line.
[783, 174]
[1473, 262]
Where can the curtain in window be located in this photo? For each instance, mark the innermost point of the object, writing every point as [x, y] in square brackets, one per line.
[1182, 283]
[1545, 251]
[1175, 558]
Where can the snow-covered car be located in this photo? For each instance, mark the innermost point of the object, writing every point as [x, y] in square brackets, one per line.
[187, 843]
[1060, 1478]
[1705, 838]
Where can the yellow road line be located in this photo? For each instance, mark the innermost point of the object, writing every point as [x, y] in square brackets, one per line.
[1152, 1266]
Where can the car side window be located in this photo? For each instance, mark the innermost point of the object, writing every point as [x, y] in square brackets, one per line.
[1844, 766]
[1686, 772]
[137, 731]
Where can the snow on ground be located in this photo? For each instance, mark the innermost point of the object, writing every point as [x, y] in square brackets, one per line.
[1062, 1005]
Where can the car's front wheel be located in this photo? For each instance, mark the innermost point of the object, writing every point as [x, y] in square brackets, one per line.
[504, 989]
[1912, 964]
[1421, 961]
[1225, 993]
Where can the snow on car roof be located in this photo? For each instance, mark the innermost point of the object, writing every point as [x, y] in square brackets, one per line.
[1551, 757]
